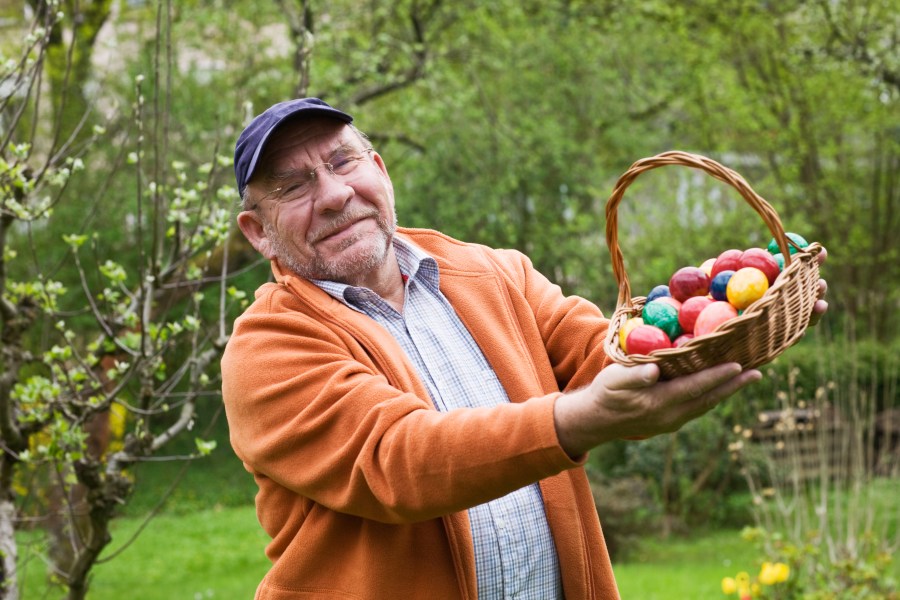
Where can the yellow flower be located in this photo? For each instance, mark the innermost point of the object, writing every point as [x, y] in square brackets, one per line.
[767, 574]
[772, 573]
[729, 586]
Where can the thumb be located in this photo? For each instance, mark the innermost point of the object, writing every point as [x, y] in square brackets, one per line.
[619, 377]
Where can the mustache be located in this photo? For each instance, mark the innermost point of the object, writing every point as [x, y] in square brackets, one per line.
[339, 222]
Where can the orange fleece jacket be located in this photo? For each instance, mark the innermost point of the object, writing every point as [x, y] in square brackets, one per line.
[363, 485]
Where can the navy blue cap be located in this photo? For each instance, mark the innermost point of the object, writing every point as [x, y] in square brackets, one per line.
[252, 140]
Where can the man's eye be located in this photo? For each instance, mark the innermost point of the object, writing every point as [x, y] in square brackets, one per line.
[343, 162]
[290, 190]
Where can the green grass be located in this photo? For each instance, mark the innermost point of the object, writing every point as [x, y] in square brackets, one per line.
[215, 553]
[198, 553]
[218, 553]
[691, 567]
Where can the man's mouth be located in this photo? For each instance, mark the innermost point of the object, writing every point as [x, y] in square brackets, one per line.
[342, 226]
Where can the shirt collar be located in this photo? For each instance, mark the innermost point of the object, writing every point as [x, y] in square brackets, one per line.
[414, 264]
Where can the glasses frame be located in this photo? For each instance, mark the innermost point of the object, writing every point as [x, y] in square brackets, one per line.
[313, 177]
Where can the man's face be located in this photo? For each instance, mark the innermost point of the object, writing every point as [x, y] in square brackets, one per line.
[339, 226]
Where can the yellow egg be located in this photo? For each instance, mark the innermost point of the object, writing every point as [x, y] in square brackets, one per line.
[626, 329]
[746, 286]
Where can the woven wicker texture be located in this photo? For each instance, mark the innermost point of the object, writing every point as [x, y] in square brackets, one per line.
[765, 329]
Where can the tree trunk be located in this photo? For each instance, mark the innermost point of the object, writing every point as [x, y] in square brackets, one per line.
[9, 585]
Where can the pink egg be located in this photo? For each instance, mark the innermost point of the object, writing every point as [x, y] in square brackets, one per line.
[712, 316]
[682, 339]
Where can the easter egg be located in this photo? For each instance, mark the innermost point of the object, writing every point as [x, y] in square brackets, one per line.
[682, 339]
[670, 300]
[662, 315]
[658, 292]
[707, 265]
[626, 329]
[762, 260]
[712, 316]
[779, 258]
[719, 285]
[687, 282]
[690, 310]
[644, 339]
[730, 260]
[746, 286]
[794, 237]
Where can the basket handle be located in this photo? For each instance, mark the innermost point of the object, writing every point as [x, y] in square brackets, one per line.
[676, 157]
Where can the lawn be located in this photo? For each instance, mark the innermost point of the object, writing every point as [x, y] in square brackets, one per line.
[218, 553]
[214, 553]
[690, 567]
[195, 552]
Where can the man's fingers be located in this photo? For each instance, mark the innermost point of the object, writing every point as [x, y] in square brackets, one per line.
[699, 384]
[618, 377]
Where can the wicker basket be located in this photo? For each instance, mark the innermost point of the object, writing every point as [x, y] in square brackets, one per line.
[763, 331]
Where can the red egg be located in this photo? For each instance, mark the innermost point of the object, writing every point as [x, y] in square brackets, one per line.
[712, 316]
[626, 329]
[730, 260]
[762, 260]
[690, 310]
[688, 282]
[644, 339]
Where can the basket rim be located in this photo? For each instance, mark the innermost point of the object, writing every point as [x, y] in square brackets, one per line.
[680, 158]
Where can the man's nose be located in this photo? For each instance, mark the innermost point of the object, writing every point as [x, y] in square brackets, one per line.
[331, 192]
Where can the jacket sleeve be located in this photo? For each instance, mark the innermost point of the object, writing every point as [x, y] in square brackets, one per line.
[337, 420]
[573, 329]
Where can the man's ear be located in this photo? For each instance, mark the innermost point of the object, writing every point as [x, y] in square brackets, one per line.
[252, 228]
[379, 162]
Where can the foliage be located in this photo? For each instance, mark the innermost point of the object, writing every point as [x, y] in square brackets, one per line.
[822, 469]
[864, 575]
[105, 369]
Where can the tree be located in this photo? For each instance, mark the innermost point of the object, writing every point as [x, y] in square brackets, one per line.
[133, 341]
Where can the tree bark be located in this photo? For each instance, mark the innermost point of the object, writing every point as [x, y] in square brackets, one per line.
[9, 585]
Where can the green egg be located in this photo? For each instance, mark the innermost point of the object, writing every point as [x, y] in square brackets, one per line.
[663, 315]
[794, 237]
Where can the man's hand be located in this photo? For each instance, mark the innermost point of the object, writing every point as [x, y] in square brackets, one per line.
[821, 304]
[627, 402]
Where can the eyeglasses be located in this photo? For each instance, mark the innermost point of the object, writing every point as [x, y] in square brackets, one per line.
[299, 186]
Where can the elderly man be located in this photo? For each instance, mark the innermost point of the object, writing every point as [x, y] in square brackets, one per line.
[416, 410]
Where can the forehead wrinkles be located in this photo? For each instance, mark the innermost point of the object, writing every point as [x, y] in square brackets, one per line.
[292, 144]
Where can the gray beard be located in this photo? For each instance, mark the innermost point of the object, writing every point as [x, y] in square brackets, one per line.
[350, 269]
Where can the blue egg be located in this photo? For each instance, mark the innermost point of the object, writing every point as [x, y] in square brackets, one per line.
[719, 284]
[658, 292]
